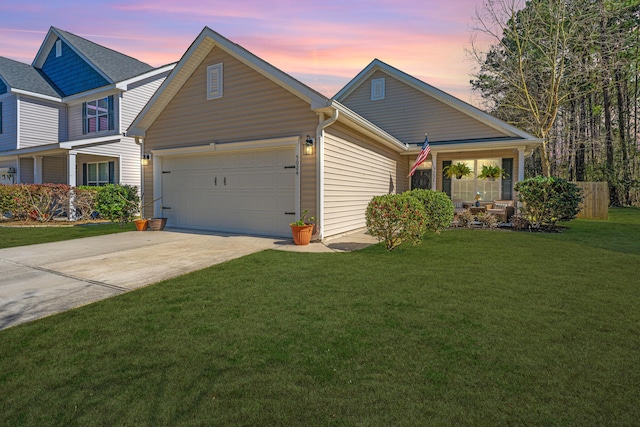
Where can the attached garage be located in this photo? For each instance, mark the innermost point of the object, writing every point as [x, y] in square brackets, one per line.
[243, 187]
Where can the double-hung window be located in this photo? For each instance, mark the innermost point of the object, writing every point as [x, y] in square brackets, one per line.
[97, 174]
[97, 115]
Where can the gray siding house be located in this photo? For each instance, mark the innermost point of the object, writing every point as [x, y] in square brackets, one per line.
[63, 118]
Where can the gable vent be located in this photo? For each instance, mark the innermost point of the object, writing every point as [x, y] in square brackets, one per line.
[214, 81]
[58, 48]
[377, 89]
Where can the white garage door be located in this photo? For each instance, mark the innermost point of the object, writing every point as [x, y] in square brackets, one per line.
[240, 191]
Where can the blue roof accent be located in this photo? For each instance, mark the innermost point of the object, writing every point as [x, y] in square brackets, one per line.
[3, 87]
[71, 74]
[22, 76]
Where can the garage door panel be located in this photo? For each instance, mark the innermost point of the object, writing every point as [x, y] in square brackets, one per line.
[258, 191]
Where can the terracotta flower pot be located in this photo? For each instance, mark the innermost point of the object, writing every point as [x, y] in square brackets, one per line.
[141, 224]
[302, 234]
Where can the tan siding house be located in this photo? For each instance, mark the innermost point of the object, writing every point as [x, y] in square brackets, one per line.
[238, 145]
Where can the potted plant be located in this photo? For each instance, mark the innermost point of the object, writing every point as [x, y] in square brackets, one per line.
[458, 170]
[492, 172]
[302, 229]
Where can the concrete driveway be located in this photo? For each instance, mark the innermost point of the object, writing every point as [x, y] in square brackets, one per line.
[40, 280]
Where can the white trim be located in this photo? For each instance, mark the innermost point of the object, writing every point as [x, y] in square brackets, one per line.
[526, 144]
[157, 186]
[35, 95]
[124, 84]
[18, 120]
[229, 146]
[378, 89]
[91, 95]
[215, 71]
[90, 141]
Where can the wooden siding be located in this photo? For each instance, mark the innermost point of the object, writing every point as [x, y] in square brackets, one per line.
[137, 96]
[252, 108]
[8, 137]
[54, 170]
[355, 170]
[39, 122]
[75, 119]
[473, 155]
[408, 113]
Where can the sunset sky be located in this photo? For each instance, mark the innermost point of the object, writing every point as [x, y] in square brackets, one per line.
[323, 43]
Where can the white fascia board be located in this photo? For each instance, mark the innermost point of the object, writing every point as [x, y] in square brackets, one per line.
[92, 94]
[136, 132]
[89, 141]
[369, 128]
[35, 95]
[45, 48]
[290, 141]
[357, 80]
[483, 146]
[52, 148]
[124, 85]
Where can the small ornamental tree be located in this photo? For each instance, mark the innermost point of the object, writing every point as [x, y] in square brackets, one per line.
[438, 208]
[396, 219]
[547, 200]
[118, 203]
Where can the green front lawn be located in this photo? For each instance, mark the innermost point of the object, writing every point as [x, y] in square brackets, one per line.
[11, 236]
[471, 328]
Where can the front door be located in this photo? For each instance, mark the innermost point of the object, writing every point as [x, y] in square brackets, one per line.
[421, 179]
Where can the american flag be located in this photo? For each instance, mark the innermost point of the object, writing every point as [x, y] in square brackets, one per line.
[424, 153]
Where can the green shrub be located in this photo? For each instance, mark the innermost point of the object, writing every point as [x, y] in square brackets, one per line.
[396, 219]
[118, 203]
[547, 200]
[438, 208]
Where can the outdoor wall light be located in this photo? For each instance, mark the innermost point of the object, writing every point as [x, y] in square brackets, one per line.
[308, 146]
[144, 160]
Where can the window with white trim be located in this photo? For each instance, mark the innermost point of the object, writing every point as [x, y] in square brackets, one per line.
[98, 174]
[214, 81]
[377, 89]
[97, 116]
[467, 187]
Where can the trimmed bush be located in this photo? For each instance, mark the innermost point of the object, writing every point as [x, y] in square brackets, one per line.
[465, 219]
[396, 219]
[438, 208]
[488, 220]
[118, 203]
[37, 202]
[547, 200]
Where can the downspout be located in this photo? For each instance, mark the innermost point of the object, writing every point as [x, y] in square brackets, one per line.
[141, 144]
[320, 168]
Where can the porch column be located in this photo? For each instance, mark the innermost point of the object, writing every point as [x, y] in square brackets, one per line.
[37, 169]
[71, 181]
[520, 164]
[434, 170]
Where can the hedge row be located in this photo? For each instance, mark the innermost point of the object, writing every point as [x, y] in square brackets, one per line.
[404, 218]
[44, 202]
